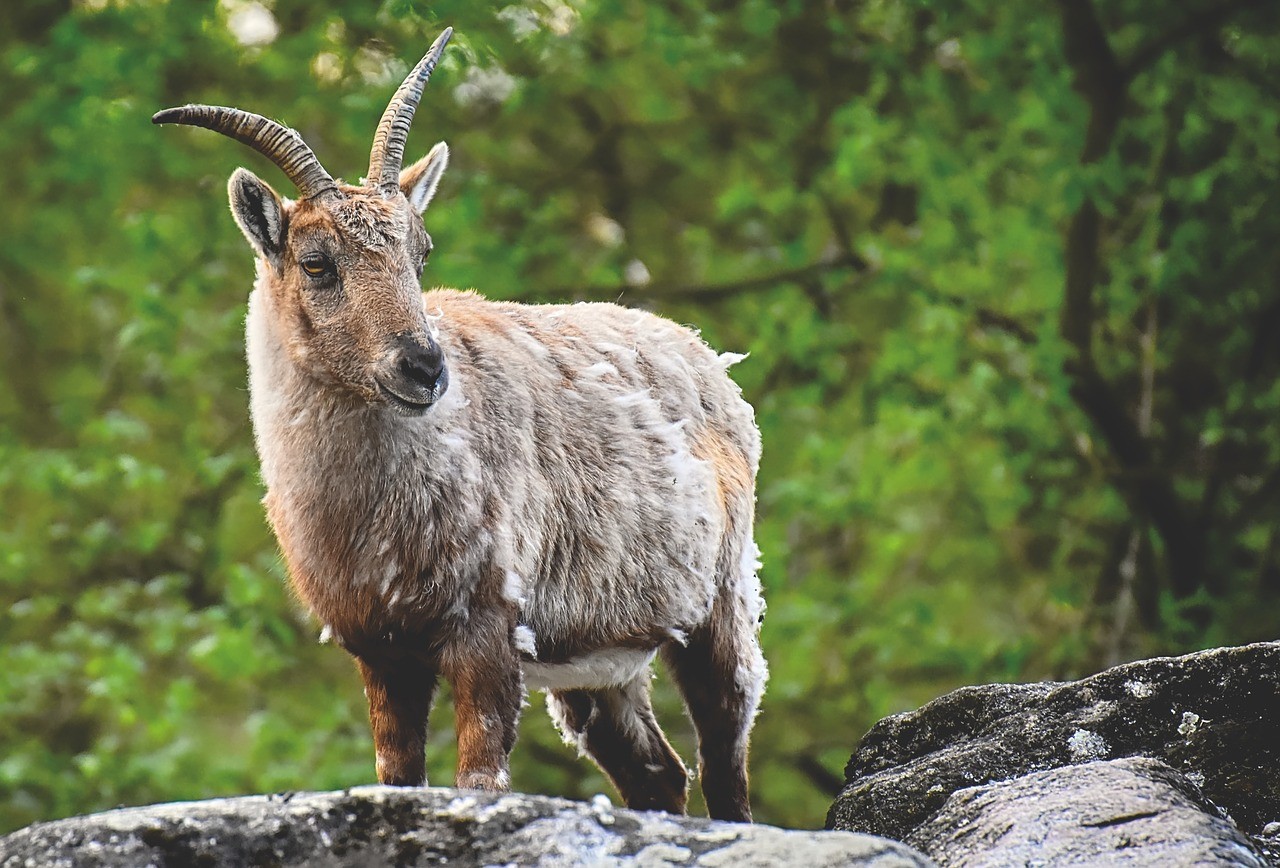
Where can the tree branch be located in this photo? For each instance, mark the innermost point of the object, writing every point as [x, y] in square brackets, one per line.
[988, 318]
[985, 317]
[1099, 80]
[712, 292]
[1102, 82]
[1075, 323]
[1098, 76]
[823, 779]
[1146, 491]
[1254, 502]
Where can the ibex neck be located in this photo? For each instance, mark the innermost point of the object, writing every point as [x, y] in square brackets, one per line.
[305, 427]
[351, 485]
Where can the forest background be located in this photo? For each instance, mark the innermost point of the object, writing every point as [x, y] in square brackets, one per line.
[1008, 275]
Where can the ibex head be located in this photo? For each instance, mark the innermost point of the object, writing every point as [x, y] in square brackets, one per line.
[344, 262]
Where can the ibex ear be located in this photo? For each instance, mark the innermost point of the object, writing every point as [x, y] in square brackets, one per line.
[419, 181]
[259, 214]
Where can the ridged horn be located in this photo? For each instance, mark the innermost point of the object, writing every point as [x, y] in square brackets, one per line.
[276, 142]
[393, 130]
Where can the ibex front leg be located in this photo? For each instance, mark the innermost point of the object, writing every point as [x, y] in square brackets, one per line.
[487, 691]
[400, 691]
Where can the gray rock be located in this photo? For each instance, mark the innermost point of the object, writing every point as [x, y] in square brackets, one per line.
[1213, 716]
[391, 826]
[1115, 812]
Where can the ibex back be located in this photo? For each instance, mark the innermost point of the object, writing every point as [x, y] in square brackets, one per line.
[508, 496]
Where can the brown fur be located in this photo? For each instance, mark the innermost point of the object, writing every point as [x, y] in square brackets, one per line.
[734, 478]
[384, 565]
[503, 495]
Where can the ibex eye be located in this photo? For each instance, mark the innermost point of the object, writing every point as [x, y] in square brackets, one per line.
[316, 265]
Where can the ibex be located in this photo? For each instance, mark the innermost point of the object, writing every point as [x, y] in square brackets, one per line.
[506, 495]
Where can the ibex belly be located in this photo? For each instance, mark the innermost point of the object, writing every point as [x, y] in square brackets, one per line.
[595, 669]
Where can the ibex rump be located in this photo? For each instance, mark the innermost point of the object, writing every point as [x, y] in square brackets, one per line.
[500, 494]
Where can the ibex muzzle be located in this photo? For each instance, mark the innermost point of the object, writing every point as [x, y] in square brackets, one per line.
[414, 375]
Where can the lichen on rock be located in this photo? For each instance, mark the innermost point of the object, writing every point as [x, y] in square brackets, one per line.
[410, 826]
[1210, 720]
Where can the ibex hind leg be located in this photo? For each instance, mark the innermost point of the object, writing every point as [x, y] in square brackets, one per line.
[721, 674]
[616, 727]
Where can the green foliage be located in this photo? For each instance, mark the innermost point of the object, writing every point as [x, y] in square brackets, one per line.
[994, 426]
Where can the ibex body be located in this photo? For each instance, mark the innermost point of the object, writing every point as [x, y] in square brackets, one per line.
[500, 494]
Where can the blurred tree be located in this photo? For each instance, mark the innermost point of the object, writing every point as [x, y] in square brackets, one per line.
[1009, 282]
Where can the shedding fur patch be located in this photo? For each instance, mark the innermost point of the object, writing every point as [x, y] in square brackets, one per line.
[574, 738]
[748, 584]
[433, 323]
[513, 589]
[601, 369]
[389, 573]
[632, 399]
[525, 641]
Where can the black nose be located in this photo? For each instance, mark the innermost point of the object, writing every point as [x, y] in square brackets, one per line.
[420, 362]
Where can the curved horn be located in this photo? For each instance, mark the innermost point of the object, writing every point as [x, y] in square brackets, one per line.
[276, 142]
[393, 129]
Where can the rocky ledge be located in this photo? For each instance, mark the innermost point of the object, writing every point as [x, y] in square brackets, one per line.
[390, 826]
[1171, 761]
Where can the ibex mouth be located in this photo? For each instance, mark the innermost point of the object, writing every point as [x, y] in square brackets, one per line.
[418, 404]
